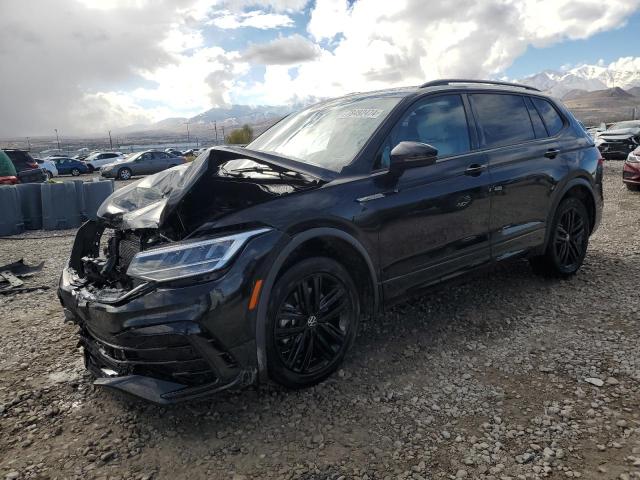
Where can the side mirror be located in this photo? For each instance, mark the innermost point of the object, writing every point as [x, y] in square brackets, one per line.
[412, 154]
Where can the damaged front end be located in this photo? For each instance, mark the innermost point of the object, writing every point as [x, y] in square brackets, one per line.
[162, 303]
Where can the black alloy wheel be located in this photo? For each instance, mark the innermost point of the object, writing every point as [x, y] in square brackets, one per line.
[568, 242]
[313, 321]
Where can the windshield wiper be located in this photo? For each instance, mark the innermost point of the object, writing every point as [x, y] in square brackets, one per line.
[238, 172]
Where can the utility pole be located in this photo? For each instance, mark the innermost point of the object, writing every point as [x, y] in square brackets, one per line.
[28, 144]
[215, 127]
[187, 131]
[57, 138]
[223, 139]
[110, 142]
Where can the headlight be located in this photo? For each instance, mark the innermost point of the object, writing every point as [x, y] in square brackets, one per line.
[188, 259]
[632, 158]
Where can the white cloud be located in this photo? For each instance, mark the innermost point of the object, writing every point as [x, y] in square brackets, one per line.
[282, 51]
[90, 64]
[255, 19]
[380, 44]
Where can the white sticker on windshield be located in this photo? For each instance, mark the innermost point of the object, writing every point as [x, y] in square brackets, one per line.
[361, 113]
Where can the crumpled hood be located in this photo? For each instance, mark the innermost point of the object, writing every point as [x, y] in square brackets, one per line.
[148, 202]
[620, 134]
[140, 204]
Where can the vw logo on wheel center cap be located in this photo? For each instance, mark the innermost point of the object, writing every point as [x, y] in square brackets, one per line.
[312, 321]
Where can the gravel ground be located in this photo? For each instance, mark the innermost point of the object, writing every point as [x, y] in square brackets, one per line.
[508, 376]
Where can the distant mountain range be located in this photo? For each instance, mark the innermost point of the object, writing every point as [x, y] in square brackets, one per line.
[608, 105]
[222, 119]
[585, 77]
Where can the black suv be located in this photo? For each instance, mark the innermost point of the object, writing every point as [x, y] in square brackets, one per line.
[257, 263]
[27, 168]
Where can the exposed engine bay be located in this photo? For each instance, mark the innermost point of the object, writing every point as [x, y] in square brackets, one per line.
[169, 207]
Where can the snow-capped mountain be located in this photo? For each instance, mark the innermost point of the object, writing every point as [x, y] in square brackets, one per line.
[585, 77]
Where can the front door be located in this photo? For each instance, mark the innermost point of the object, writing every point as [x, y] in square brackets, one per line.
[433, 220]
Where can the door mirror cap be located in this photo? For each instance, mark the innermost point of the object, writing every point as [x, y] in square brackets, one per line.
[412, 154]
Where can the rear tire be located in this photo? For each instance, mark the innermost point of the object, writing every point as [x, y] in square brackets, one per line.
[75, 172]
[91, 168]
[124, 174]
[48, 174]
[312, 321]
[568, 241]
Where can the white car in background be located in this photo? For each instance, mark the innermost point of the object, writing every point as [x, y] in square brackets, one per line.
[100, 159]
[49, 167]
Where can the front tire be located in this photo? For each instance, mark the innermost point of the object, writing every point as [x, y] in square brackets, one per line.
[49, 174]
[124, 174]
[568, 241]
[312, 321]
[75, 172]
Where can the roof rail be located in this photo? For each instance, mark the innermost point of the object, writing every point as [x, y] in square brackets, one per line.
[449, 81]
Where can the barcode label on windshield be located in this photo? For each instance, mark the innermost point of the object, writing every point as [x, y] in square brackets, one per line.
[361, 113]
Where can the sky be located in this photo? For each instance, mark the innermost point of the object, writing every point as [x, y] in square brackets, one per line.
[85, 66]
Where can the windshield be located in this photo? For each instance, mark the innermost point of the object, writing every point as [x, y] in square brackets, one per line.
[621, 125]
[328, 135]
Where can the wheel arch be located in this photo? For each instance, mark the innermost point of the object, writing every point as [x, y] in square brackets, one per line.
[331, 242]
[580, 188]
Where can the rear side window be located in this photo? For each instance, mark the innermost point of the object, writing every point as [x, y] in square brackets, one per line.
[538, 126]
[551, 117]
[502, 119]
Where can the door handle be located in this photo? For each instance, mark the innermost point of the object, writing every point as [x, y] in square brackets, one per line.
[475, 169]
[552, 153]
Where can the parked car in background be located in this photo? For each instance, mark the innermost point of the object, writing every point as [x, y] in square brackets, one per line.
[71, 166]
[258, 263]
[174, 151]
[49, 167]
[27, 168]
[619, 139]
[141, 163]
[631, 170]
[8, 174]
[99, 159]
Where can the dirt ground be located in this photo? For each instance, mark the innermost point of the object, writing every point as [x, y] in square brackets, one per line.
[508, 376]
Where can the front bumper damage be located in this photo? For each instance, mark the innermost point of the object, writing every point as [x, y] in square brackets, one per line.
[168, 342]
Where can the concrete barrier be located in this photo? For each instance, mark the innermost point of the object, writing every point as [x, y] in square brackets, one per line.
[30, 196]
[94, 193]
[11, 221]
[60, 209]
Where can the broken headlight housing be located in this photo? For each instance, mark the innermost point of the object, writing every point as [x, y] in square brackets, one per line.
[188, 259]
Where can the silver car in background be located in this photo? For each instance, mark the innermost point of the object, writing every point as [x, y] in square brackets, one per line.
[142, 163]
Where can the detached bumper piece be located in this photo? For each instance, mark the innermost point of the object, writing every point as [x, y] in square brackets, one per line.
[162, 363]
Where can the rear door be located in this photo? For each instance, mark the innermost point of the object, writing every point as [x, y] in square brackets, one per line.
[526, 164]
[433, 220]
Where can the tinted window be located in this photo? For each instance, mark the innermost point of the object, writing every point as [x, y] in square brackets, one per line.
[439, 121]
[502, 119]
[551, 118]
[538, 126]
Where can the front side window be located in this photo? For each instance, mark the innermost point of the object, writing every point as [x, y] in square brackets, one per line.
[552, 120]
[328, 135]
[438, 121]
[502, 119]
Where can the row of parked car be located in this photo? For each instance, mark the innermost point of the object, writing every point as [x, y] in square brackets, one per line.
[19, 166]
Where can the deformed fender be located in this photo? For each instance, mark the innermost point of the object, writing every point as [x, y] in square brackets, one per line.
[576, 181]
[263, 304]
